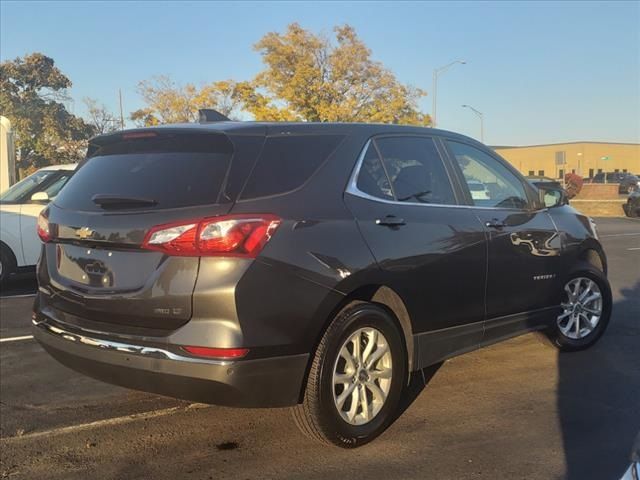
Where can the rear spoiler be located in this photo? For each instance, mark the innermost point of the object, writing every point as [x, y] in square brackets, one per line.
[96, 143]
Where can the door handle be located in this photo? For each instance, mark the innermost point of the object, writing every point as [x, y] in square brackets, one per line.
[390, 221]
[494, 223]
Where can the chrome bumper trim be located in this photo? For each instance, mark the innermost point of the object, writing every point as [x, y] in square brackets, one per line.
[138, 350]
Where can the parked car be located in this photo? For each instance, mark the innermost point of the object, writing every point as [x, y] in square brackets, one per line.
[306, 265]
[543, 181]
[552, 190]
[632, 207]
[478, 190]
[20, 206]
[628, 182]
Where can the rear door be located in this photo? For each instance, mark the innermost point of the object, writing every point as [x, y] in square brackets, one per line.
[95, 269]
[430, 250]
[524, 245]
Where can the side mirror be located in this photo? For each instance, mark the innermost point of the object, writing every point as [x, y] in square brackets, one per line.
[552, 197]
[40, 197]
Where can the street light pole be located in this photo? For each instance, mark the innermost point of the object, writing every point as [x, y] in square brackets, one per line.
[437, 72]
[481, 117]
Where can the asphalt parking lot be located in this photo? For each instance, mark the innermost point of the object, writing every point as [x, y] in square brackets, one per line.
[517, 410]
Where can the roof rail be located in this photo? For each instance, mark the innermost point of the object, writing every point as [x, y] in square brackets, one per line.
[209, 115]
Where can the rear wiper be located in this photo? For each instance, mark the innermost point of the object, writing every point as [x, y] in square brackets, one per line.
[117, 201]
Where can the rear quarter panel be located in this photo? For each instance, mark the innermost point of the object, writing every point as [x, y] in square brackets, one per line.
[315, 258]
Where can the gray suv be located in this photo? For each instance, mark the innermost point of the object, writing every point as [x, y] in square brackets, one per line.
[306, 265]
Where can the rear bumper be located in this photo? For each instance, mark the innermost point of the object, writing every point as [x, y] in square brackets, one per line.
[270, 382]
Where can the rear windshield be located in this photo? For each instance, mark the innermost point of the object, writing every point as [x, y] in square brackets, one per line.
[287, 162]
[171, 170]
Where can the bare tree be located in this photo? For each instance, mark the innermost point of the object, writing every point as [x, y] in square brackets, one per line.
[100, 118]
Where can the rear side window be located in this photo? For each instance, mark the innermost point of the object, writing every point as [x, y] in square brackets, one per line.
[172, 170]
[372, 178]
[287, 162]
[416, 170]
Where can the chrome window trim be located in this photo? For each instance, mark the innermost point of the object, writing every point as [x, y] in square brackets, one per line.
[352, 187]
[128, 348]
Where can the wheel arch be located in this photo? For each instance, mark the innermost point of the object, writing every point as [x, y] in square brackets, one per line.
[8, 251]
[382, 296]
[593, 253]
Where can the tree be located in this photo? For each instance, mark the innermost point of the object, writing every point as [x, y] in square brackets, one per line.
[308, 77]
[169, 102]
[32, 89]
[100, 118]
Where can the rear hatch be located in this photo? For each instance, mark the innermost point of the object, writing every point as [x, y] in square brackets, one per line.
[96, 268]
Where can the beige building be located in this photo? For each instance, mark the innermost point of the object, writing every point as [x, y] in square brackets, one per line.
[584, 158]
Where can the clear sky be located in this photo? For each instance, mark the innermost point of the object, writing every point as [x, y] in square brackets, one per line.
[541, 72]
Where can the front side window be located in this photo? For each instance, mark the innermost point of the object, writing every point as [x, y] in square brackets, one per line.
[415, 170]
[502, 189]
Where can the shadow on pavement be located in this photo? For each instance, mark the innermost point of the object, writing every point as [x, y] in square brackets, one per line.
[20, 284]
[418, 382]
[599, 397]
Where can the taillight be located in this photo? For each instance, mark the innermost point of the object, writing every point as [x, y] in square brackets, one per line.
[221, 353]
[43, 228]
[232, 235]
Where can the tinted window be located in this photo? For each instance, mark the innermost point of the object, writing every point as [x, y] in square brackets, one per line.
[179, 171]
[372, 178]
[502, 188]
[287, 162]
[416, 170]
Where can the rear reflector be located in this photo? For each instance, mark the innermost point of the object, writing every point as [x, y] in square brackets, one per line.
[221, 353]
[230, 235]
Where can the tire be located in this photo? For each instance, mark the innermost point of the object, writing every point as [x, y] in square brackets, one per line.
[318, 416]
[7, 264]
[582, 334]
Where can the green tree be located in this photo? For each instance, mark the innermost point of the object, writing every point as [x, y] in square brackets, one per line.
[169, 102]
[32, 90]
[312, 78]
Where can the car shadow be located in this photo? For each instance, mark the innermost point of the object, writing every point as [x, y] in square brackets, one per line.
[417, 383]
[599, 396]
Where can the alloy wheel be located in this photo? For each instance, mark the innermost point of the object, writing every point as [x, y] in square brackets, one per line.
[362, 376]
[582, 308]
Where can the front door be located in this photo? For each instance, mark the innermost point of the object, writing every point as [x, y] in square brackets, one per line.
[524, 245]
[430, 250]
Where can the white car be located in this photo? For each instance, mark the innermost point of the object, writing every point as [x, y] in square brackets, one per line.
[478, 190]
[20, 206]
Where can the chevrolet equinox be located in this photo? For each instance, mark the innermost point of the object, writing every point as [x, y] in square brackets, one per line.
[306, 265]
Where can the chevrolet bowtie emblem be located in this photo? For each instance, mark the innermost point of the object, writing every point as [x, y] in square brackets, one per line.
[84, 232]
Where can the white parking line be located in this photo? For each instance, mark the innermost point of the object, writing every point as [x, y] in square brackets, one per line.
[634, 248]
[16, 339]
[102, 423]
